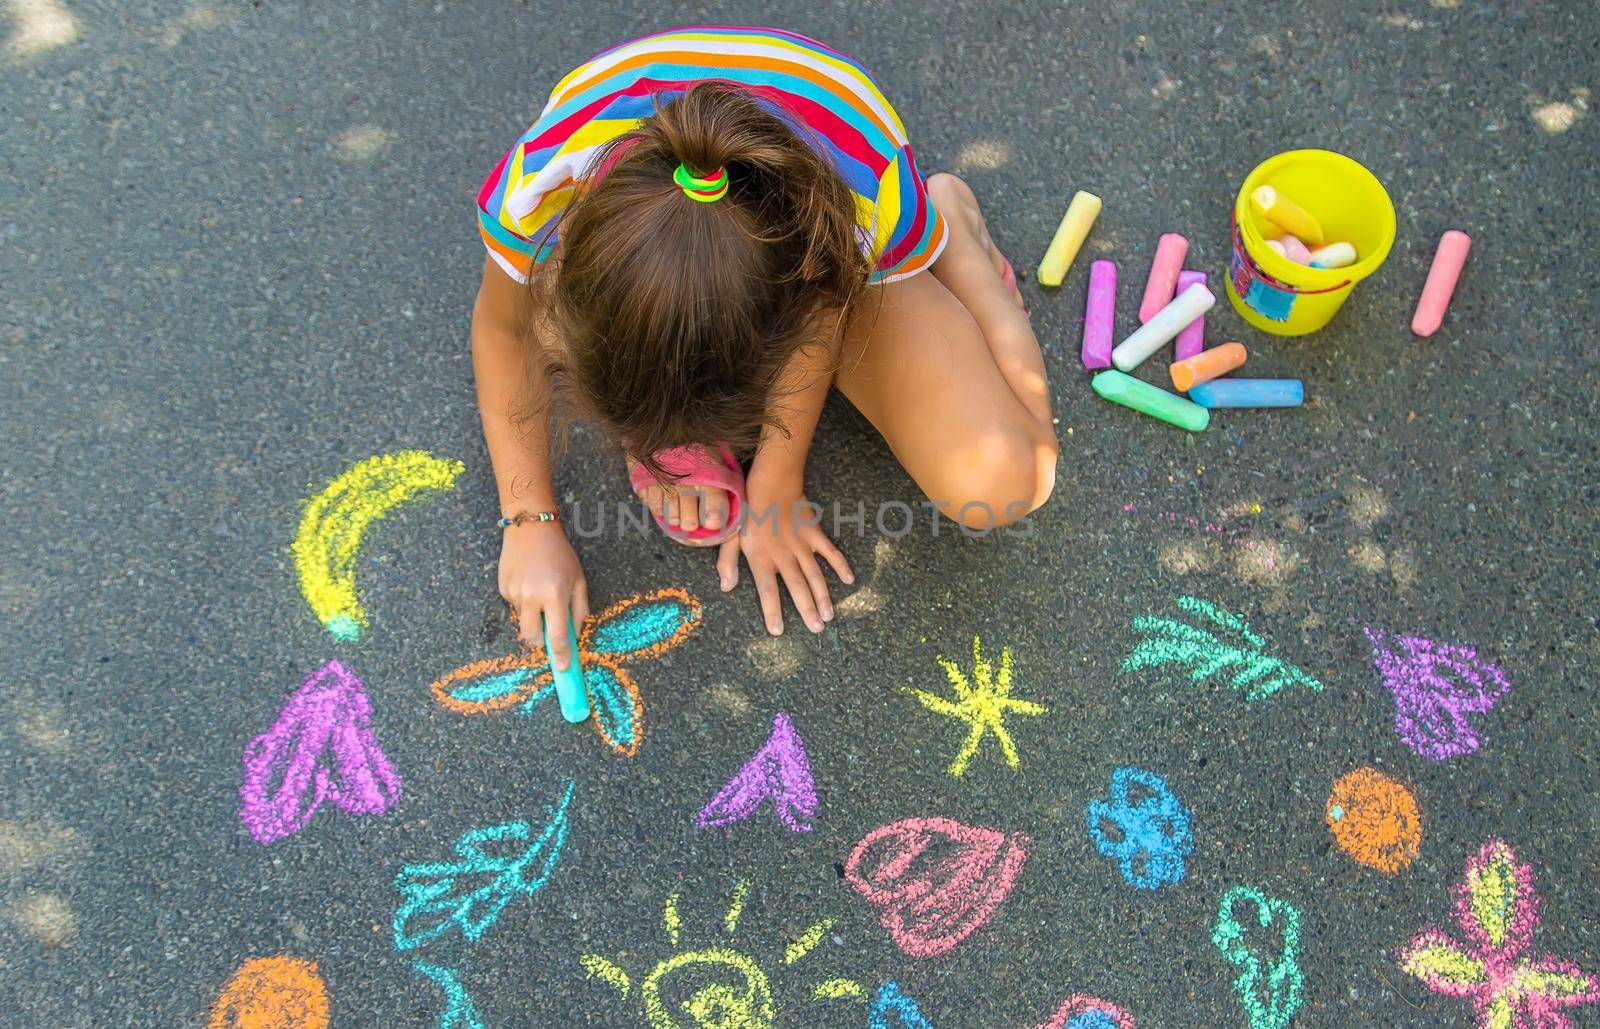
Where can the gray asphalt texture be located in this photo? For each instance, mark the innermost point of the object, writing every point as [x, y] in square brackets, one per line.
[238, 255]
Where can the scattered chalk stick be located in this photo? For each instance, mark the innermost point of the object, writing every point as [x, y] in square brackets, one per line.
[1249, 393]
[1151, 400]
[571, 692]
[1069, 237]
[1287, 215]
[1447, 263]
[1192, 339]
[1334, 255]
[1162, 285]
[1099, 312]
[1207, 365]
[1166, 323]
[1293, 249]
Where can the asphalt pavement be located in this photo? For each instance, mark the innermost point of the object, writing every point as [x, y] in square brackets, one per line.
[238, 252]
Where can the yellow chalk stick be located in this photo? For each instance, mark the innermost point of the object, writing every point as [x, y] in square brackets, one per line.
[1287, 215]
[1071, 233]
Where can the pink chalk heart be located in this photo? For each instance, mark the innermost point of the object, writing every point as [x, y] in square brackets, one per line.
[320, 748]
[778, 770]
[930, 904]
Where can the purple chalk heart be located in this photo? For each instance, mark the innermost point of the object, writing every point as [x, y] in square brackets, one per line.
[320, 748]
[779, 770]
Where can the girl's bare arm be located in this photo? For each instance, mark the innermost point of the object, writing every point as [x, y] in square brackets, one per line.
[521, 459]
[540, 576]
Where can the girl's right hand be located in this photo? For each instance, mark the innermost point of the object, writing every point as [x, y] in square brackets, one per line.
[542, 581]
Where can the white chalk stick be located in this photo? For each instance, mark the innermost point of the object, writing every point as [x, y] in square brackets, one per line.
[1162, 326]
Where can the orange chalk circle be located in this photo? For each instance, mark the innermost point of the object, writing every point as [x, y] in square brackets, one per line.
[273, 993]
[1375, 820]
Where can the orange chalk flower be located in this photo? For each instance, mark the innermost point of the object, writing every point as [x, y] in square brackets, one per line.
[273, 993]
[1375, 820]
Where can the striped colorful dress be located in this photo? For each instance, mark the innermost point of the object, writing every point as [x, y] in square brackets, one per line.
[798, 79]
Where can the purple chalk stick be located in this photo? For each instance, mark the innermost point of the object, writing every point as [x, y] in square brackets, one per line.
[1098, 314]
[1436, 687]
[320, 748]
[779, 770]
[1192, 339]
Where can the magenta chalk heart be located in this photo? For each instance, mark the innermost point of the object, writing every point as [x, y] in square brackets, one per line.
[934, 881]
[320, 748]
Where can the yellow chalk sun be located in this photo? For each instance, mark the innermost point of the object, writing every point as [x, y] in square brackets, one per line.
[745, 1004]
[982, 702]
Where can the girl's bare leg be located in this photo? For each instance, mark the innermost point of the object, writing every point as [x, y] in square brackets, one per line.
[950, 373]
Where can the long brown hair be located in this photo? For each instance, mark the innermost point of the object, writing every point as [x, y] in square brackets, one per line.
[675, 318]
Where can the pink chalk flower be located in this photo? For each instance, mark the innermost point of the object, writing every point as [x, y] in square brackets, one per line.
[1510, 987]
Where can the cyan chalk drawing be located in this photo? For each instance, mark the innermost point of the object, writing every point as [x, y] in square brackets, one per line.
[930, 905]
[320, 748]
[492, 867]
[1218, 642]
[892, 1009]
[1149, 828]
[640, 628]
[1437, 689]
[778, 770]
[459, 1012]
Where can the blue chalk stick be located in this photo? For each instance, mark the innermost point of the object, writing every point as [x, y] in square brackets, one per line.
[1249, 393]
[571, 692]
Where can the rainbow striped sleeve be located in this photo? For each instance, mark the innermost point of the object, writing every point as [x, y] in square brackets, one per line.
[830, 99]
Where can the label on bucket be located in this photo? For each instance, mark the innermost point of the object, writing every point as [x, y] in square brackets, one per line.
[1267, 301]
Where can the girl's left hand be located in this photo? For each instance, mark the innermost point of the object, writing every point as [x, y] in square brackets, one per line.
[780, 539]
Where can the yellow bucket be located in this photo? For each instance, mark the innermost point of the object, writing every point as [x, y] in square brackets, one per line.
[1274, 293]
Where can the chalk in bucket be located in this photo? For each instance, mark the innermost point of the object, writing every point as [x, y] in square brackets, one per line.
[1274, 293]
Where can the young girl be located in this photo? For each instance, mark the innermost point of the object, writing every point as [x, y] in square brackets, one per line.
[704, 231]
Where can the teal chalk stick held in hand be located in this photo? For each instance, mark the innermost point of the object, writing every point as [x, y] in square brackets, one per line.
[1249, 393]
[1147, 399]
[571, 692]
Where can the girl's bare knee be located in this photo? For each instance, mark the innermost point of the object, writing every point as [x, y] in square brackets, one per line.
[1000, 480]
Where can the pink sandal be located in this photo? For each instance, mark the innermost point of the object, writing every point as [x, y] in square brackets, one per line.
[1009, 276]
[697, 467]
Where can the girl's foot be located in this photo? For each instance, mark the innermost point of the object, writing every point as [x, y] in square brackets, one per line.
[968, 230]
[686, 509]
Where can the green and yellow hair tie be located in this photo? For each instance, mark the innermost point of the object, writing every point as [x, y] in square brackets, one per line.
[706, 188]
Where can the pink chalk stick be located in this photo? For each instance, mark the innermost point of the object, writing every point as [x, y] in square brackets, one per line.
[1293, 249]
[1447, 263]
[1164, 267]
[1192, 339]
[1098, 314]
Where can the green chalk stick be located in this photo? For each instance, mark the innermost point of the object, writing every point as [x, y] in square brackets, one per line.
[1147, 399]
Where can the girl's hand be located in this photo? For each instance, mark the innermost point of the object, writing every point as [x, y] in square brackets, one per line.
[542, 581]
[785, 545]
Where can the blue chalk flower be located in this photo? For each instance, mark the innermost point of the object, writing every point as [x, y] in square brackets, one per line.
[1149, 838]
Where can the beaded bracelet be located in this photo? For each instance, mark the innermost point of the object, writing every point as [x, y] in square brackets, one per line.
[523, 517]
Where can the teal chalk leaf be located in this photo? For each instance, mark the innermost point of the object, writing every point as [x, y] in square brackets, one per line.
[1221, 643]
